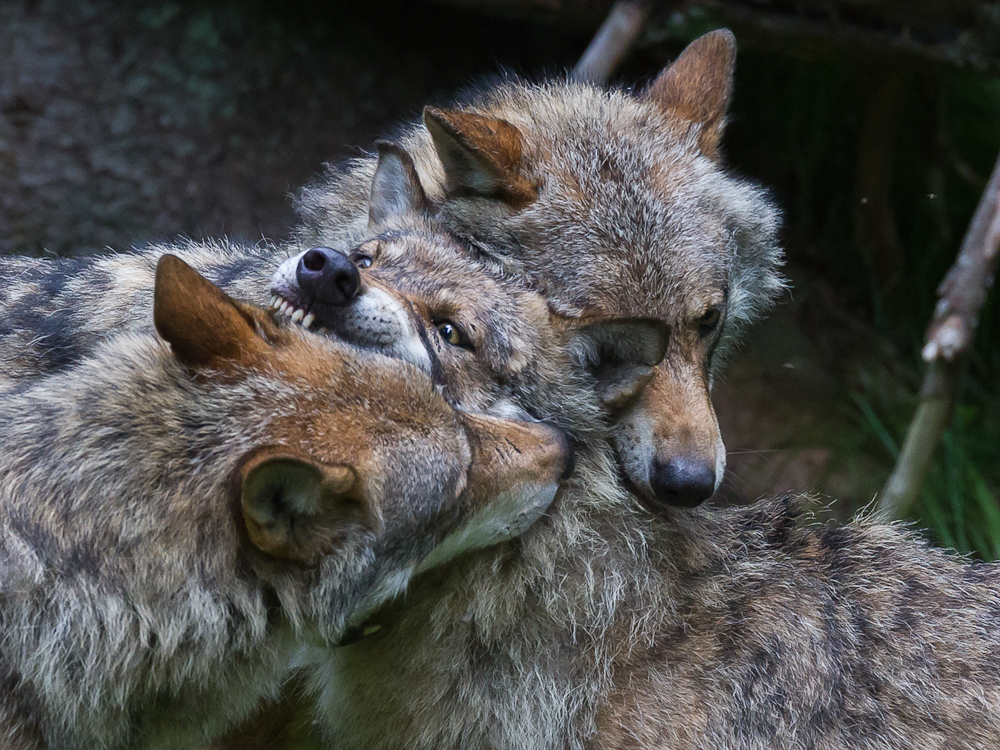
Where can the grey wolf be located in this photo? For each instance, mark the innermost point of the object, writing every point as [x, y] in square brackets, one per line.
[740, 628]
[610, 204]
[173, 519]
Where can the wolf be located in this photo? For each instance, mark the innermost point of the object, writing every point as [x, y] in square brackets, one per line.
[174, 519]
[610, 204]
[591, 630]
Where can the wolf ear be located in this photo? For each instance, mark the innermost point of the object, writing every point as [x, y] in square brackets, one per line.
[396, 188]
[204, 327]
[295, 508]
[697, 87]
[513, 477]
[621, 354]
[481, 156]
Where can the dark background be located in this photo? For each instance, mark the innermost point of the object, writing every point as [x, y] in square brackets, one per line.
[124, 123]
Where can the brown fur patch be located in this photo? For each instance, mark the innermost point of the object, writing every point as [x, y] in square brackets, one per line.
[698, 86]
[481, 155]
[203, 326]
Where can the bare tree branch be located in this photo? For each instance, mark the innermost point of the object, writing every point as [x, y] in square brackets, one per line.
[949, 338]
[613, 40]
[936, 33]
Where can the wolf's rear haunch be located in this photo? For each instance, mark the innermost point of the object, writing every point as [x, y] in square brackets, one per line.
[174, 518]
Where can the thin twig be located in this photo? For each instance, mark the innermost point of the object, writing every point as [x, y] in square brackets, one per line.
[613, 40]
[949, 338]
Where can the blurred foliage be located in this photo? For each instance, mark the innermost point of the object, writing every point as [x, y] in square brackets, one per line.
[798, 126]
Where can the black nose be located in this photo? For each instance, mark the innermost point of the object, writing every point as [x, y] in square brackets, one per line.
[686, 481]
[327, 277]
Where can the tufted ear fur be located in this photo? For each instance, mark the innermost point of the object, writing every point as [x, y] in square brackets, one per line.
[396, 188]
[514, 475]
[204, 327]
[295, 508]
[620, 354]
[697, 86]
[481, 156]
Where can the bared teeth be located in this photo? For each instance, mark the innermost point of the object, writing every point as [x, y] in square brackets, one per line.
[297, 316]
[285, 307]
[274, 301]
[308, 320]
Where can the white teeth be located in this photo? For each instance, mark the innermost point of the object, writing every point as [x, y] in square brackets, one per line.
[297, 316]
[308, 320]
[285, 307]
[274, 300]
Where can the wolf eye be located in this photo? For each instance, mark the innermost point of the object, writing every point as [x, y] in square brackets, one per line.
[452, 334]
[710, 320]
[362, 260]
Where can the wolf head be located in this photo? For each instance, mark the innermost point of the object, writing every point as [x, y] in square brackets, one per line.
[157, 503]
[415, 292]
[335, 470]
[612, 204]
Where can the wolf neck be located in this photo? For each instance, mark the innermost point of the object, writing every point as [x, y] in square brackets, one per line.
[546, 609]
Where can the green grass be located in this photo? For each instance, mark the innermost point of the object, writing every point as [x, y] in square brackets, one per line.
[958, 499]
[796, 126]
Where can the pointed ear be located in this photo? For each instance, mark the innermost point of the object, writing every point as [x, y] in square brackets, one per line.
[204, 327]
[513, 477]
[296, 509]
[697, 87]
[396, 188]
[621, 354]
[481, 156]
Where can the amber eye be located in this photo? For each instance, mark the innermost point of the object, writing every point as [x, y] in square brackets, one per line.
[452, 333]
[710, 320]
[362, 260]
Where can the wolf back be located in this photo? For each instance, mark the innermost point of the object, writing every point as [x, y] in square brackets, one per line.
[55, 311]
[746, 628]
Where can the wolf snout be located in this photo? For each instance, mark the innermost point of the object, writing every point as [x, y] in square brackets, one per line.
[684, 481]
[327, 277]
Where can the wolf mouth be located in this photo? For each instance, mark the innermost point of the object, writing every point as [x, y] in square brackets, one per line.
[374, 320]
[300, 316]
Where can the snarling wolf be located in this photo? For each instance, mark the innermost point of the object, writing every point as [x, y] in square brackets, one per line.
[611, 204]
[173, 519]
